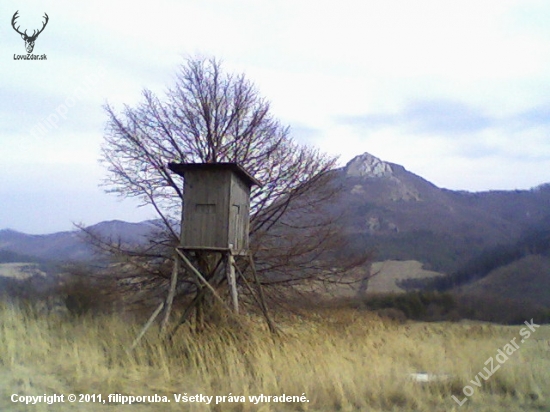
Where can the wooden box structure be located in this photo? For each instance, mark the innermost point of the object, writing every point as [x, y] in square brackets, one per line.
[216, 206]
[215, 224]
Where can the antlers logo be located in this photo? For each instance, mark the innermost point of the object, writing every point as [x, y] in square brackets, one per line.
[29, 40]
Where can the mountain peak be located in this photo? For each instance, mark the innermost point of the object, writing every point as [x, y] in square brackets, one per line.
[367, 165]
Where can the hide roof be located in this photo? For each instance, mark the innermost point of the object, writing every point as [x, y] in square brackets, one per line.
[181, 168]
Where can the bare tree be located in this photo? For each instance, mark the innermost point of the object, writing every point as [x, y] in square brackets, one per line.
[213, 116]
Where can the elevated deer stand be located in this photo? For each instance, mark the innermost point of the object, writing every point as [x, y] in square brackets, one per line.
[215, 226]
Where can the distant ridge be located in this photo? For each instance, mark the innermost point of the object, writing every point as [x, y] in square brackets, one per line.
[382, 207]
[70, 245]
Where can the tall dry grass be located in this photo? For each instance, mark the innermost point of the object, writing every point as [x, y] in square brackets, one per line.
[343, 360]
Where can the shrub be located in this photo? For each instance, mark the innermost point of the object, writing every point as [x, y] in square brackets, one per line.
[415, 305]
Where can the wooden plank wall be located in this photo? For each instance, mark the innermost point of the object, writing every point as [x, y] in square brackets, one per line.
[205, 214]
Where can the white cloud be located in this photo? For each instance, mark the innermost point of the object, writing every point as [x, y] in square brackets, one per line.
[459, 88]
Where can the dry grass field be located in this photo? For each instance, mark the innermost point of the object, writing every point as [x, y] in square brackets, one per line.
[388, 275]
[390, 272]
[20, 271]
[342, 360]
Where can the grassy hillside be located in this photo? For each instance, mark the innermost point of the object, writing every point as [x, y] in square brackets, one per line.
[526, 279]
[341, 360]
[392, 272]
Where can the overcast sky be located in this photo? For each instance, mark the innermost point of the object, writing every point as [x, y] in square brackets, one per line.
[457, 92]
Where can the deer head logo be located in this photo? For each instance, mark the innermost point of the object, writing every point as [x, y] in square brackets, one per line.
[29, 40]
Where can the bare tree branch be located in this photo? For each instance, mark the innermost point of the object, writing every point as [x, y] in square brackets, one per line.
[212, 116]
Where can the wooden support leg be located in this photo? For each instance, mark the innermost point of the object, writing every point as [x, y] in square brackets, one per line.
[232, 281]
[171, 294]
[249, 288]
[202, 279]
[147, 325]
[187, 312]
[263, 304]
[196, 302]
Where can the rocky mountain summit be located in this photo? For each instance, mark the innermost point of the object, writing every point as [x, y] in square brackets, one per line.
[400, 215]
[377, 179]
[366, 165]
